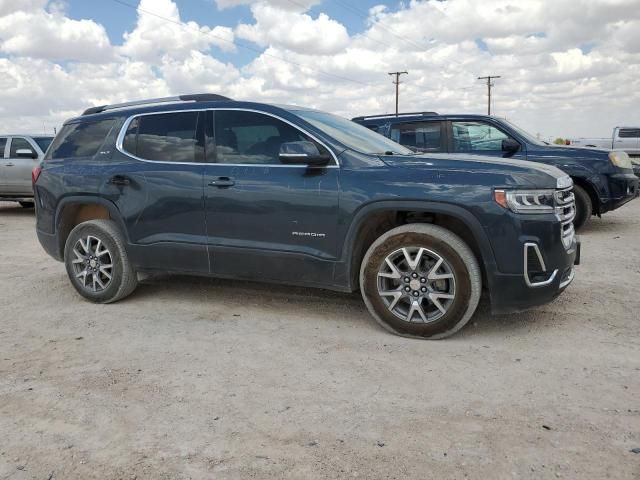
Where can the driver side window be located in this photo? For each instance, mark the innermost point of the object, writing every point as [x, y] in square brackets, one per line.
[243, 137]
[477, 137]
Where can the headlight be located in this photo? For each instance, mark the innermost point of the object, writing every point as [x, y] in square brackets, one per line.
[526, 201]
[620, 159]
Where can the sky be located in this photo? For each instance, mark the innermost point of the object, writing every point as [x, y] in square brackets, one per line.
[568, 68]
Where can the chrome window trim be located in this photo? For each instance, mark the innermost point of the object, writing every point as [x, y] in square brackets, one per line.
[125, 126]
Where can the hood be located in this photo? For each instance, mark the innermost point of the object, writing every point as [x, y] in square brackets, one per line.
[569, 151]
[521, 172]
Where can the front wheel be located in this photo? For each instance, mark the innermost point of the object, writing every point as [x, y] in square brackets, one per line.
[421, 280]
[584, 209]
[97, 262]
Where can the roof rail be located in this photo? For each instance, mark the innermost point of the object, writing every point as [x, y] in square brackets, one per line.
[393, 115]
[196, 97]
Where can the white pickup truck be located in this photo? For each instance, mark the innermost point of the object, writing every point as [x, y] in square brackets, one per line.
[623, 138]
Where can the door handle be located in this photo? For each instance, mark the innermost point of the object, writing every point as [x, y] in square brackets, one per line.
[9, 164]
[119, 180]
[222, 182]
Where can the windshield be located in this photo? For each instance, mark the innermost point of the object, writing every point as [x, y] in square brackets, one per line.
[523, 133]
[43, 142]
[351, 134]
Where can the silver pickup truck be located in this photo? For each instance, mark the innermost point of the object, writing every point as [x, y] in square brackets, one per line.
[18, 155]
[623, 138]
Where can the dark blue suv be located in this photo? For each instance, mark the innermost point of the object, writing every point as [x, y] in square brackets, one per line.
[204, 185]
[603, 180]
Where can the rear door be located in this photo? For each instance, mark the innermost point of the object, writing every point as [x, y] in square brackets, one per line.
[3, 166]
[267, 220]
[155, 179]
[18, 169]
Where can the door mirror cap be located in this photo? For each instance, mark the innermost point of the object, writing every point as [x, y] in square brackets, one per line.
[509, 145]
[302, 153]
[26, 153]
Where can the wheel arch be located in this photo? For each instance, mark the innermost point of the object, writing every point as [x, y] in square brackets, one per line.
[377, 218]
[74, 210]
[591, 191]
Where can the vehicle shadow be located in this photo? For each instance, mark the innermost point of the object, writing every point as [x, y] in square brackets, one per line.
[608, 223]
[14, 209]
[237, 294]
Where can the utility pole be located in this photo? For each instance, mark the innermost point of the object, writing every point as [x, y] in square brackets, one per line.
[489, 85]
[397, 83]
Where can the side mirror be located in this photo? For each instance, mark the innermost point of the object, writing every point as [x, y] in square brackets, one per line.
[302, 153]
[510, 146]
[26, 153]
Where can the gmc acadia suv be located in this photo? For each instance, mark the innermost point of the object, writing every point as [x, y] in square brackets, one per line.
[204, 185]
[603, 180]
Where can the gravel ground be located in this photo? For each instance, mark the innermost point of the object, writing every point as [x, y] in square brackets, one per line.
[200, 378]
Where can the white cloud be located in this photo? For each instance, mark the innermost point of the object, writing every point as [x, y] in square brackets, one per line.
[40, 34]
[159, 31]
[297, 32]
[571, 69]
[291, 5]
[10, 6]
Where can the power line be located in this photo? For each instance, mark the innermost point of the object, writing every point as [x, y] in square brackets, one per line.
[248, 47]
[397, 84]
[488, 78]
[365, 16]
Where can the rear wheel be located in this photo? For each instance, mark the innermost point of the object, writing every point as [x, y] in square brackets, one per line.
[97, 262]
[26, 204]
[420, 280]
[584, 209]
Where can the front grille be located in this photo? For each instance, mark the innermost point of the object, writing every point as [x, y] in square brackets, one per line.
[566, 212]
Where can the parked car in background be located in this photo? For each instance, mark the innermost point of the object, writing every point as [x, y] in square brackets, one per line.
[623, 138]
[204, 185]
[603, 180]
[19, 155]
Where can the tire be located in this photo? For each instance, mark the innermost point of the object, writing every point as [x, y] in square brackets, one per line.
[463, 272]
[584, 209]
[27, 204]
[90, 255]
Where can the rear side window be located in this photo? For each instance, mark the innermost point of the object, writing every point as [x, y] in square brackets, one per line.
[629, 133]
[3, 143]
[80, 139]
[421, 137]
[168, 137]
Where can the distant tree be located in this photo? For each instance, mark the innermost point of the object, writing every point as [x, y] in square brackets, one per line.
[559, 141]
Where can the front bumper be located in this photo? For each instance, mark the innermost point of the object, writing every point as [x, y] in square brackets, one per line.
[512, 292]
[623, 188]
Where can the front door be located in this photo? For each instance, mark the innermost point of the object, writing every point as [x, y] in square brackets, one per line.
[17, 170]
[267, 220]
[480, 138]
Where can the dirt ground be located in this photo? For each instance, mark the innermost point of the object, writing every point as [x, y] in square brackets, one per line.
[199, 378]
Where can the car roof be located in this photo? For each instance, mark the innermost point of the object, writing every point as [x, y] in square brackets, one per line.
[183, 102]
[416, 116]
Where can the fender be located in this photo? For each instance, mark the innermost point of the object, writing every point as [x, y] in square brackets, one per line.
[114, 213]
[466, 217]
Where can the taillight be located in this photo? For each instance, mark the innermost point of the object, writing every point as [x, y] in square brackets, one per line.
[35, 173]
[567, 142]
